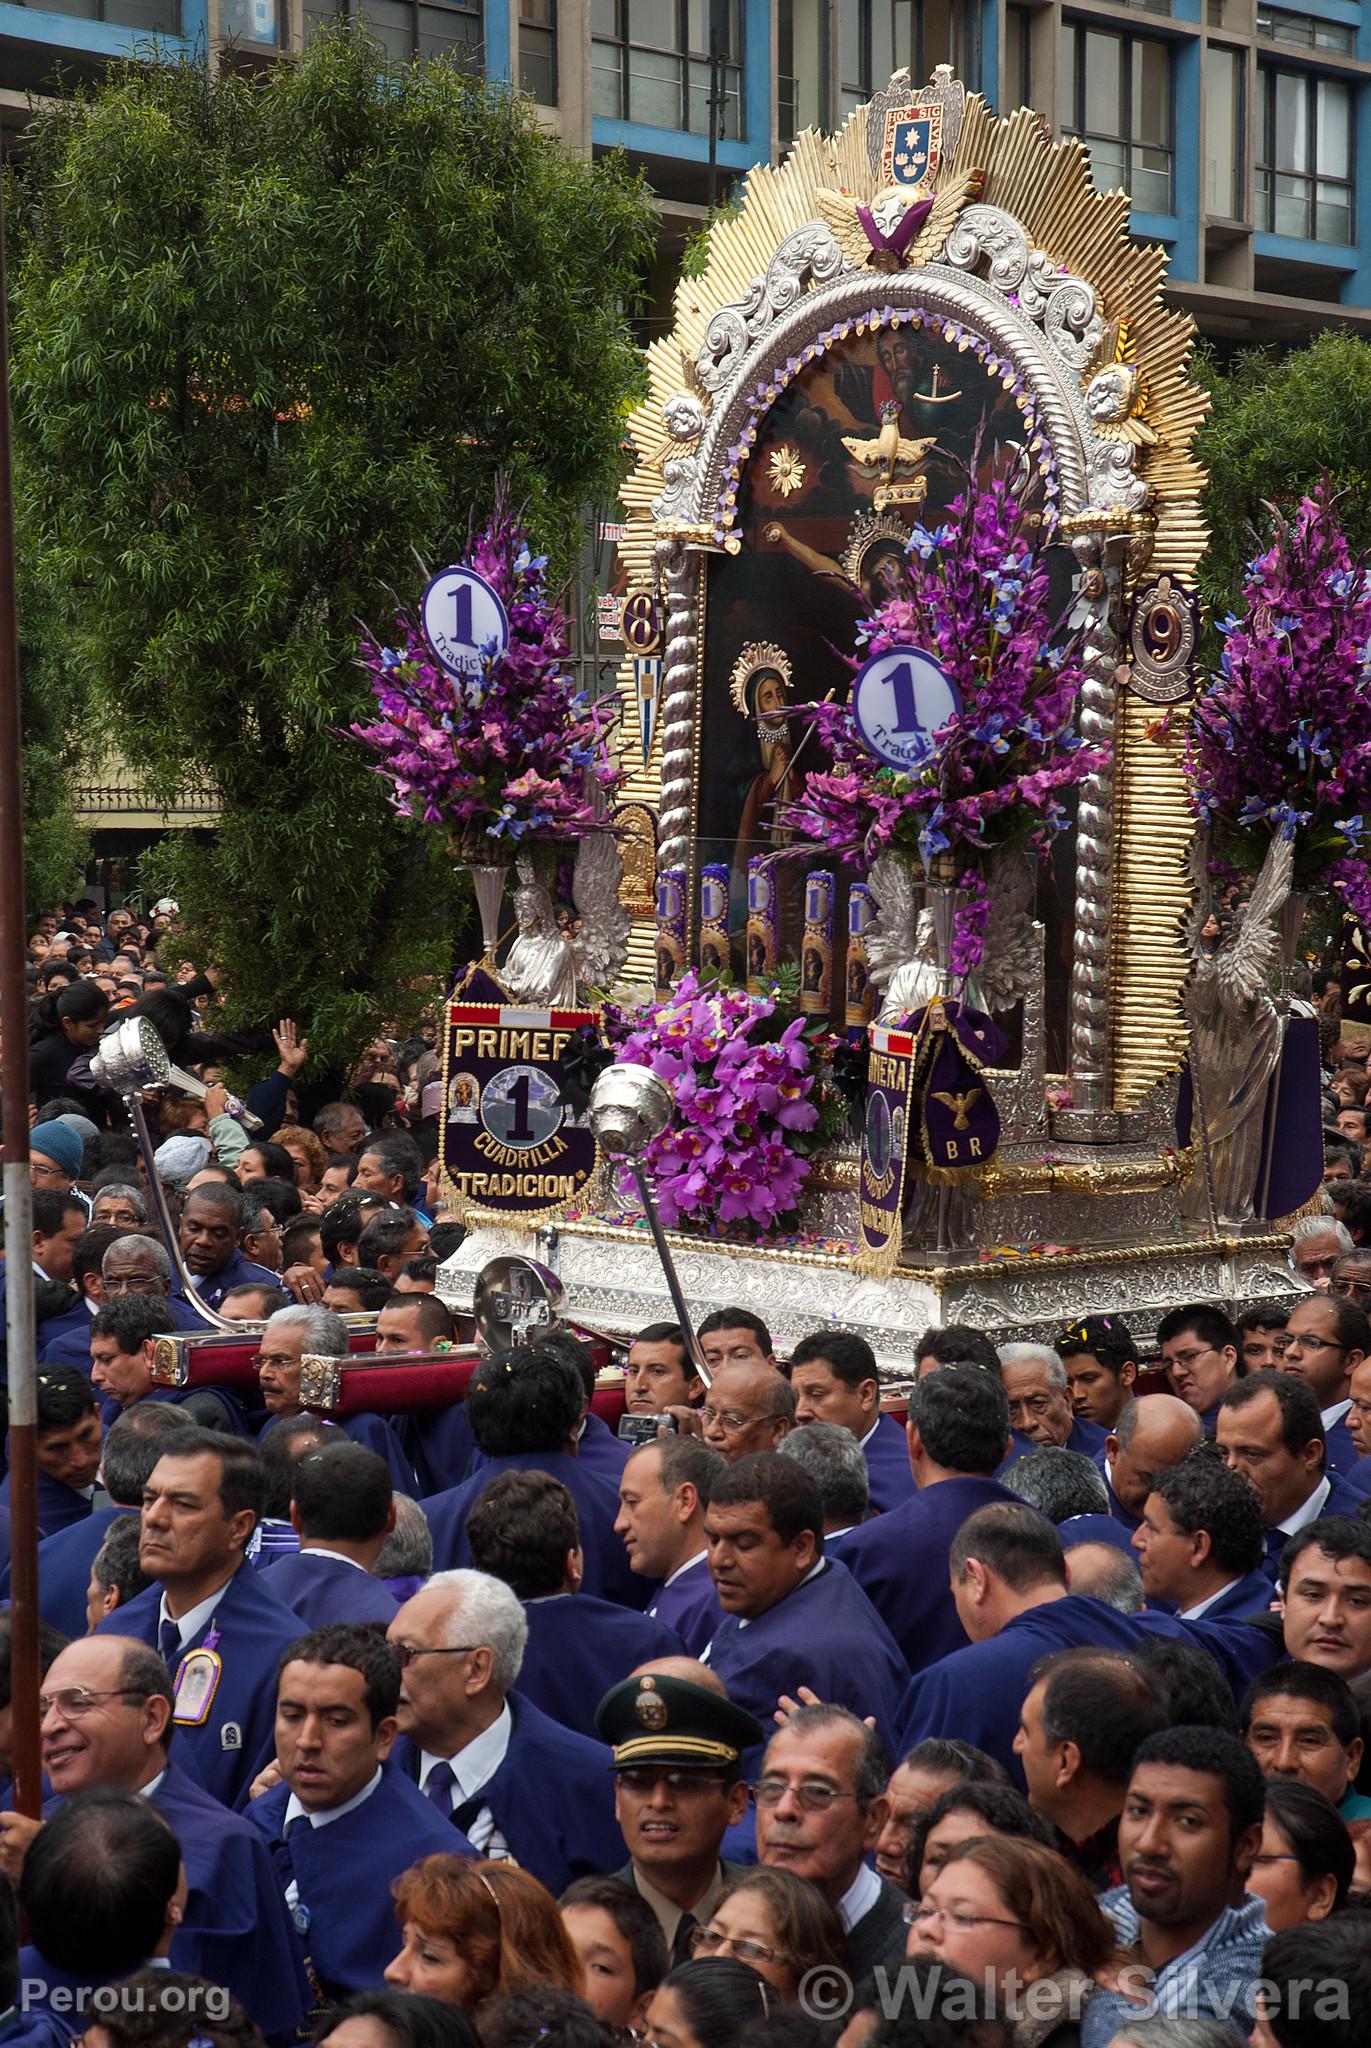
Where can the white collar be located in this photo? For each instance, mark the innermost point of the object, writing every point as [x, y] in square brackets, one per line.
[153, 1784]
[195, 1618]
[317, 1550]
[322, 1818]
[865, 1440]
[1311, 1510]
[1202, 1607]
[812, 1573]
[860, 1896]
[832, 1535]
[700, 1557]
[1331, 1416]
[477, 1764]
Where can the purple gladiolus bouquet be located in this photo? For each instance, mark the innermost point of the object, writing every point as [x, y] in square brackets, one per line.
[993, 776]
[1280, 737]
[747, 1099]
[511, 752]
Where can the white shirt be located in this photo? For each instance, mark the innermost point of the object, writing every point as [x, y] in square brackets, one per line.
[860, 1896]
[863, 1441]
[1202, 1607]
[317, 1550]
[194, 1619]
[146, 1791]
[688, 1566]
[322, 1818]
[472, 1768]
[1310, 1512]
[1330, 1416]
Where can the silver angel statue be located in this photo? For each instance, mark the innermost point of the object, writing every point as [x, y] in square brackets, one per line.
[902, 946]
[546, 969]
[1235, 1030]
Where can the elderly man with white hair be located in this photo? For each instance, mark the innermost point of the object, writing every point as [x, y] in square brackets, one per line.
[1316, 1245]
[515, 1782]
[288, 1338]
[1035, 1379]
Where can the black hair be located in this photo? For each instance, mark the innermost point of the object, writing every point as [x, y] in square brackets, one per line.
[88, 1252]
[422, 1269]
[1102, 1337]
[396, 1152]
[527, 1399]
[1337, 1536]
[520, 1528]
[280, 1198]
[738, 1319]
[446, 1238]
[1262, 1315]
[666, 1333]
[717, 1994]
[362, 1648]
[1318, 1980]
[272, 1298]
[343, 1492]
[962, 1416]
[1201, 1493]
[98, 1878]
[576, 1353]
[240, 1469]
[345, 1219]
[791, 1498]
[1200, 1319]
[539, 2015]
[1216, 1754]
[133, 1320]
[1004, 1810]
[1016, 1543]
[1301, 1416]
[435, 1322]
[412, 2020]
[64, 1396]
[848, 1357]
[170, 2009]
[116, 1567]
[51, 1205]
[958, 1344]
[1318, 1835]
[949, 1753]
[1293, 1679]
[1351, 1325]
[1106, 1706]
[295, 1239]
[686, 1461]
[135, 1441]
[385, 1235]
[278, 1451]
[635, 1920]
[373, 1289]
[277, 1161]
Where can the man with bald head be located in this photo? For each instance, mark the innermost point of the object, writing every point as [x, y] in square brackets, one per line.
[107, 1711]
[749, 1406]
[1152, 1433]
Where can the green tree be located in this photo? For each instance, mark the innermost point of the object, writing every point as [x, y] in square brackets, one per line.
[274, 340]
[1277, 424]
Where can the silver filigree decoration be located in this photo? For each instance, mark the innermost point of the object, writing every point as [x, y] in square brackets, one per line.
[987, 232]
[601, 944]
[1115, 485]
[683, 416]
[1065, 307]
[679, 473]
[810, 255]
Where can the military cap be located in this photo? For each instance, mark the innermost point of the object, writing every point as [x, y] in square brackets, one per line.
[657, 1720]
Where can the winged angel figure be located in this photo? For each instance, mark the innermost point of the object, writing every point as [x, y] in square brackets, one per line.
[544, 970]
[893, 231]
[902, 950]
[1235, 1030]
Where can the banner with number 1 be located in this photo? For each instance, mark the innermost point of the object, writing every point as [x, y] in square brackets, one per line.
[511, 1144]
[464, 620]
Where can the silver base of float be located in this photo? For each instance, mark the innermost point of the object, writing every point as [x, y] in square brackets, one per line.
[1118, 1245]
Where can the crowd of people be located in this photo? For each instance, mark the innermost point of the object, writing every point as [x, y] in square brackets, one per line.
[1029, 1715]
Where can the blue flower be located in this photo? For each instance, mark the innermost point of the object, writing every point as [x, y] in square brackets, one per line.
[1342, 584]
[1207, 804]
[391, 658]
[922, 541]
[991, 734]
[932, 839]
[1287, 820]
[1351, 828]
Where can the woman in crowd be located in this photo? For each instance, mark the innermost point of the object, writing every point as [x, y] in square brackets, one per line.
[472, 1931]
[307, 1155]
[964, 1812]
[1305, 1865]
[67, 1027]
[707, 2004]
[1012, 1913]
[777, 1923]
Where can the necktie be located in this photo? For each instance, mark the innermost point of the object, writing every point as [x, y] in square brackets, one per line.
[169, 1643]
[442, 1780]
[681, 1951]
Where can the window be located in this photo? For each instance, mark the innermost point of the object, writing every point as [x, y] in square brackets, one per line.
[248, 21]
[149, 17]
[1016, 74]
[538, 50]
[1305, 31]
[1223, 133]
[412, 28]
[1117, 96]
[1304, 157]
[650, 62]
[878, 36]
[802, 67]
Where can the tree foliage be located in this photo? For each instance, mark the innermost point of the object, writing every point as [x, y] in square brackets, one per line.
[274, 339]
[1277, 424]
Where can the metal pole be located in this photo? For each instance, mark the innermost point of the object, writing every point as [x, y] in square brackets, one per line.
[678, 1300]
[14, 1092]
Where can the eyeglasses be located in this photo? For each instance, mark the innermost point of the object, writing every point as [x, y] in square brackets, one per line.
[72, 1701]
[705, 1942]
[1189, 1357]
[923, 1909]
[1351, 1290]
[811, 1796]
[643, 1777]
[729, 1421]
[405, 1653]
[1287, 1342]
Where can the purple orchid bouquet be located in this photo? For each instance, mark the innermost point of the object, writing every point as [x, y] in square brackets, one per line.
[750, 1092]
[513, 751]
[992, 777]
[1280, 736]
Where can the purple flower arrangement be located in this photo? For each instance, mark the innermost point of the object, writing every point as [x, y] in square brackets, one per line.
[513, 751]
[751, 1093]
[1280, 735]
[992, 777]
